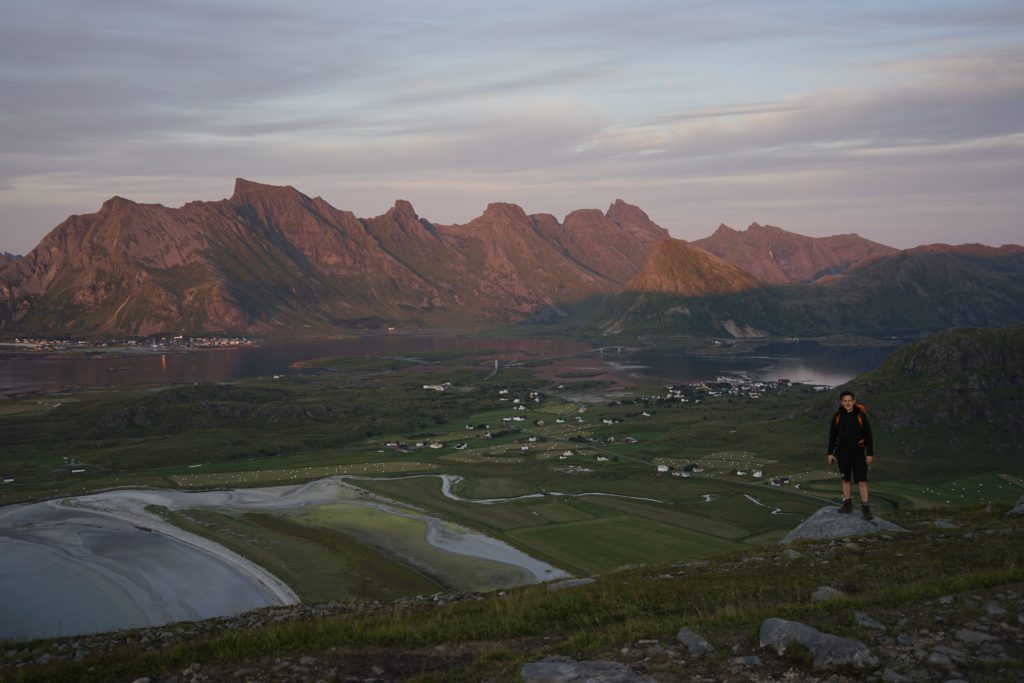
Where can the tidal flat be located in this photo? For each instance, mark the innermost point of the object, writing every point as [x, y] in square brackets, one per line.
[115, 560]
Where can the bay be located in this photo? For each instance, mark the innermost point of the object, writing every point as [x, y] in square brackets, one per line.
[808, 362]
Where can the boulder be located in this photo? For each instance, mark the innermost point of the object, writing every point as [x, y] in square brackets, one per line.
[828, 650]
[827, 523]
[1018, 509]
[696, 644]
[565, 670]
[826, 594]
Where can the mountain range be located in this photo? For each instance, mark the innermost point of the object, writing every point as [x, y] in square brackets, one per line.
[271, 258]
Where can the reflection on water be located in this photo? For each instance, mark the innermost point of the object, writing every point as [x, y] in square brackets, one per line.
[805, 362]
[221, 365]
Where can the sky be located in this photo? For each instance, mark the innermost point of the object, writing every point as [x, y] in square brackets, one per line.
[902, 121]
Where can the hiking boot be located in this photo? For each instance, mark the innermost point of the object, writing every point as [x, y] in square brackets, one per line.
[866, 509]
[847, 507]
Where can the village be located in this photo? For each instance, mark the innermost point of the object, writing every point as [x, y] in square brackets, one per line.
[570, 434]
[153, 343]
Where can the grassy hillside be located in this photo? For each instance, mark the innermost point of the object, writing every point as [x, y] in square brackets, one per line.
[921, 586]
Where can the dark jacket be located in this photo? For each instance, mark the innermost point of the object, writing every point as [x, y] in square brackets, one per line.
[850, 432]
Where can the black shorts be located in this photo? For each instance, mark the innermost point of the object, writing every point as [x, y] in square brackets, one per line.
[854, 464]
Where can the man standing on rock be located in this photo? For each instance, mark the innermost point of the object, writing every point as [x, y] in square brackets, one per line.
[850, 443]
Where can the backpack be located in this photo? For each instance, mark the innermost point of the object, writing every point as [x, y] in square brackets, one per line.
[860, 410]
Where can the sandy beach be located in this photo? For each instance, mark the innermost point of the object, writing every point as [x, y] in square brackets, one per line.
[101, 562]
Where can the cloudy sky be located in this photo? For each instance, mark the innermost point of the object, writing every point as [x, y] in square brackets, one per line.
[900, 120]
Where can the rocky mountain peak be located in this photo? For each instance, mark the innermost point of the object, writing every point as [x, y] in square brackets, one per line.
[504, 211]
[248, 192]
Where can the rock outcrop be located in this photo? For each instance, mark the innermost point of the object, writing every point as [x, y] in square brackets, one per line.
[827, 523]
[828, 650]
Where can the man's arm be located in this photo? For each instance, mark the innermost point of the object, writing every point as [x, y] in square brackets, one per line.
[869, 442]
[832, 434]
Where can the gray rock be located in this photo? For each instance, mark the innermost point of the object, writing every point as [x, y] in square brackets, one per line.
[890, 676]
[966, 635]
[791, 554]
[697, 646]
[827, 523]
[867, 621]
[939, 659]
[826, 593]
[944, 524]
[1018, 509]
[565, 670]
[569, 583]
[994, 609]
[904, 639]
[828, 650]
[747, 660]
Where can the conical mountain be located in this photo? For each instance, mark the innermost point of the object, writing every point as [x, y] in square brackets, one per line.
[685, 290]
[677, 267]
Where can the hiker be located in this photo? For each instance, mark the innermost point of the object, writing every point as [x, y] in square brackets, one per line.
[850, 444]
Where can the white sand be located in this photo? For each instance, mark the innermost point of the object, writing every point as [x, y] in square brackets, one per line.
[101, 562]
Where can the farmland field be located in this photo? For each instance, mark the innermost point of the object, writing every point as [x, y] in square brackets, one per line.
[583, 476]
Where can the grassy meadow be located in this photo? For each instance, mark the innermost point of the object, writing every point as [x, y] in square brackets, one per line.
[568, 481]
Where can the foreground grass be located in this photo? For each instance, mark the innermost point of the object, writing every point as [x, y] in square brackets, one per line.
[725, 599]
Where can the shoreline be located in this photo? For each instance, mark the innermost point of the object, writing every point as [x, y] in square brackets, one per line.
[101, 561]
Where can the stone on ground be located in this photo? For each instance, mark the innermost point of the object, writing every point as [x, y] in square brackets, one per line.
[828, 650]
[565, 670]
[826, 594]
[694, 643]
[826, 523]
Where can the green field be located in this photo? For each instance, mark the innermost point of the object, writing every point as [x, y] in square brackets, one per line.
[262, 433]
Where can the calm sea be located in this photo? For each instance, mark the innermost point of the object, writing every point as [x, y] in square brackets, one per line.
[804, 361]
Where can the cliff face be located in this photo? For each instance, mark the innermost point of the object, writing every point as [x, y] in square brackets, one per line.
[271, 257]
[777, 256]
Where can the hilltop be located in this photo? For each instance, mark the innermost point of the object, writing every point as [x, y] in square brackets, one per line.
[941, 602]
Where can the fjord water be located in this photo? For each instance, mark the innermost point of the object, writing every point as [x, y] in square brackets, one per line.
[808, 362]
